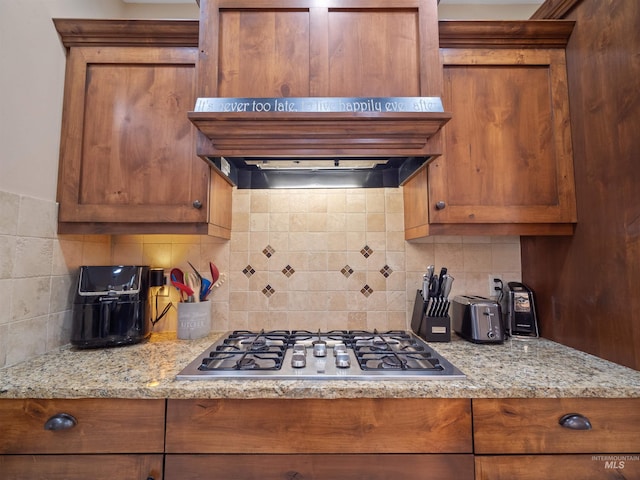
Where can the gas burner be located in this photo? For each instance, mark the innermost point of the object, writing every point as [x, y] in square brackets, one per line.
[392, 361]
[246, 363]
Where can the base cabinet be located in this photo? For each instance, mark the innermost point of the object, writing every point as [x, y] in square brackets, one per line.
[81, 467]
[81, 438]
[556, 438]
[320, 439]
[319, 467]
[557, 467]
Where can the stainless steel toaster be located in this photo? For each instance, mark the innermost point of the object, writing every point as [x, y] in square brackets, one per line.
[477, 319]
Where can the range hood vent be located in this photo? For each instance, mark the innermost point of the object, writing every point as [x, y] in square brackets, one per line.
[318, 141]
[334, 172]
[318, 126]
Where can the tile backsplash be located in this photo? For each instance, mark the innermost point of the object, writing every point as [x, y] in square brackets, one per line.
[297, 259]
[321, 259]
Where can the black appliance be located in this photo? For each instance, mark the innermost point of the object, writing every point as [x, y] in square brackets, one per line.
[333, 355]
[110, 306]
[520, 311]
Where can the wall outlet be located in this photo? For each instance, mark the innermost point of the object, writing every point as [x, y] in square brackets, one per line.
[494, 284]
[163, 291]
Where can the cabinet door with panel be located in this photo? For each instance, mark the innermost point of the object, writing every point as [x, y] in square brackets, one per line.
[127, 159]
[507, 163]
[81, 438]
[323, 439]
[553, 437]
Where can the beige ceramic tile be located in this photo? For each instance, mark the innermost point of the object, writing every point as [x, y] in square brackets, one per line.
[9, 211]
[67, 256]
[506, 257]
[33, 257]
[37, 218]
[259, 222]
[477, 257]
[259, 202]
[4, 337]
[356, 201]
[30, 297]
[7, 255]
[26, 339]
[96, 253]
[132, 254]
[63, 289]
[375, 200]
[59, 329]
[6, 285]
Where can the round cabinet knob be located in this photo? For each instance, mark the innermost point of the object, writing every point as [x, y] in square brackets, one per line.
[197, 204]
[440, 205]
[60, 421]
[575, 421]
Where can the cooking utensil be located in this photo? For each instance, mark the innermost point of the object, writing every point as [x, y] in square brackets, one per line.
[215, 273]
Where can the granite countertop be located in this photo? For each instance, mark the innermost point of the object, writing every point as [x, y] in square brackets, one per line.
[534, 368]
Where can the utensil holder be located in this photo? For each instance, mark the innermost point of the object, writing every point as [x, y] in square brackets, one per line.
[432, 329]
[194, 320]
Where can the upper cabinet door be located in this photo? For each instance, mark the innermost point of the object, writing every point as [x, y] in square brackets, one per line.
[507, 150]
[337, 48]
[128, 148]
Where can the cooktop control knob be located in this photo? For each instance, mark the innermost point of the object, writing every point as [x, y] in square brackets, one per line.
[342, 360]
[298, 360]
[339, 348]
[319, 348]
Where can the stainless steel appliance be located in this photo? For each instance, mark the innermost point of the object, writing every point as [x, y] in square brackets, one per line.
[333, 355]
[110, 306]
[520, 311]
[477, 319]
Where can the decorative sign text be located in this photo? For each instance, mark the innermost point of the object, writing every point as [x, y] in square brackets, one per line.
[320, 104]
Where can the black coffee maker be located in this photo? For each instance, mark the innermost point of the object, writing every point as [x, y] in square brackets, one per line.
[110, 306]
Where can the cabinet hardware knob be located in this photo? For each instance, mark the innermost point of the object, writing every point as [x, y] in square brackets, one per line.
[60, 421]
[575, 421]
[440, 205]
[197, 204]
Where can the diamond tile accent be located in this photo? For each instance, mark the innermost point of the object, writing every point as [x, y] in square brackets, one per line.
[366, 251]
[288, 271]
[268, 251]
[268, 291]
[346, 271]
[386, 271]
[248, 271]
[366, 290]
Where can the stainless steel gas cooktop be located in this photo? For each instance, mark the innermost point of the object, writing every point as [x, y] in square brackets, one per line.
[333, 355]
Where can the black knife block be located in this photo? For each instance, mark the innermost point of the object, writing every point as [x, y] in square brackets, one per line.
[432, 329]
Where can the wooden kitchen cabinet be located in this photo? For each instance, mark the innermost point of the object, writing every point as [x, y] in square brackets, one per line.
[507, 163]
[127, 156]
[104, 438]
[523, 438]
[321, 439]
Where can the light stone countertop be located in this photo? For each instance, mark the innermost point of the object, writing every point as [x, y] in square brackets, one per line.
[535, 368]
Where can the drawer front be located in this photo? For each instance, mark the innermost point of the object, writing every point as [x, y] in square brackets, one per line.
[81, 467]
[319, 426]
[558, 467]
[532, 425]
[319, 467]
[102, 426]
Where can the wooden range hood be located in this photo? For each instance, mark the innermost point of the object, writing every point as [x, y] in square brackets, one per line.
[287, 49]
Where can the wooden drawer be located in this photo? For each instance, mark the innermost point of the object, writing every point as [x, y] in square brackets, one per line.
[557, 467]
[81, 467]
[319, 467]
[319, 426]
[103, 426]
[532, 426]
